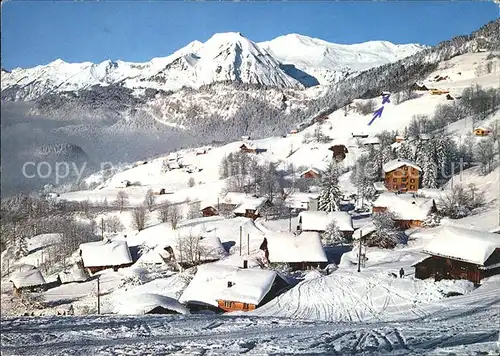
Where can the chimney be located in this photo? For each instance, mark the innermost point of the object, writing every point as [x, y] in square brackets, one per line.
[229, 284]
[245, 263]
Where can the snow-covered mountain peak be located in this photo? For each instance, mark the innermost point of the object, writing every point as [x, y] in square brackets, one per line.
[289, 61]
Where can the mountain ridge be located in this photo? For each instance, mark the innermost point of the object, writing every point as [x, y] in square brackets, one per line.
[227, 56]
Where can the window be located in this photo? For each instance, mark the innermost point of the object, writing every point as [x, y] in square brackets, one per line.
[245, 306]
[228, 304]
[405, 168]
[395, 186]
[394, 180]
[403, 180]
[412, 180]
[412, 187]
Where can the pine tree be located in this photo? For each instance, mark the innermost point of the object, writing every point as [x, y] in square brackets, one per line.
[430, 174]
[405, 152]
[330, 195]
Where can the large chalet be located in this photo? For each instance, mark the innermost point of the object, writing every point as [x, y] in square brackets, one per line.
[401, 175]
[458, 253]
[409, 210]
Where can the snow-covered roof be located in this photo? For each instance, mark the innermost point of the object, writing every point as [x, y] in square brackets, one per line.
[315, 170]
[27, 278]
[463, 244]
[210, 284]
[364, 230]
[250, 204]
[397, 163]
[76, 274]
[156, 255]
[287, 247]
[380, 186]
[484, 128]
[144, 303]
[105, 253]
[235, 198]
[370, 141]
[405, 206]
[319, 220]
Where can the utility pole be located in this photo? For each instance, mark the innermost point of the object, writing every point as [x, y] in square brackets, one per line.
[98, 295]
[359, 253]
[290, 220]
[248, 244]
[218, 205]
[241, 237]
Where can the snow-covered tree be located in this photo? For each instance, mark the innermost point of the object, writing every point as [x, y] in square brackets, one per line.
[486, 152]
[163, 211]
[385, 235]
[194, 210]
[139, 218]
[333, 236]
[460, 201]
[122, 200]
[405, 152]
[330, 194]
[430, 174]
[149, 199]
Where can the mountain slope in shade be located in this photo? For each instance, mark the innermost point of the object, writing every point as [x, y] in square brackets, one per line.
[291, 61]
[329, 62]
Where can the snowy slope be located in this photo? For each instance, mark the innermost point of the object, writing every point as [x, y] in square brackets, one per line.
[328, 62]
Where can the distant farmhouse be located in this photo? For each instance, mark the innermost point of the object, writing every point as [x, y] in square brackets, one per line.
[339, 152]
[251, 207]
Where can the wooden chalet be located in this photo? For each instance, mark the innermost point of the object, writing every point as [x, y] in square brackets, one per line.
[159, 191]
[439, 91]
[251, 207]
[458, 253]
[401, 175]
[225, 288]
[300, 252]
[339, 152]
[318, 221]
[209, 211]
[311, 173]
[29, 278]
[418, 87]
[247, 148]
[482, 131]
[410, 211]
[106, 254]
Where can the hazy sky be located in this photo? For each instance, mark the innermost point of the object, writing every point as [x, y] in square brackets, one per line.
[39, 32]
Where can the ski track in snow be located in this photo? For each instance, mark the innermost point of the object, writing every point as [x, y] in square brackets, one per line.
[229, 335]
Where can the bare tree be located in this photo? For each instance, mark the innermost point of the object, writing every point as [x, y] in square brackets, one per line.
[191, 250]
[486, 152]
[139, 218]
[121, 200]
[149, 199]
[194, 210]
[114, 224]
[164, 211]
[174, 216]
[191, 182]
